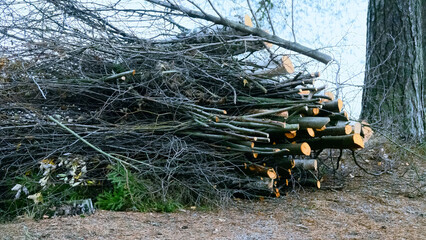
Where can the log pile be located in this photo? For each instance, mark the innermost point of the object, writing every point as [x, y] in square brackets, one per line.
[192, 110]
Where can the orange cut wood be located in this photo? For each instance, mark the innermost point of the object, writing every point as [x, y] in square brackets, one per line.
[247, 21]
[330, 95]
[310, 132]
[332, 106]
[352, 141]
[261, 170]
[291, 134]
[337, 130]
[348, 129]
[321, 129]
[287, 64]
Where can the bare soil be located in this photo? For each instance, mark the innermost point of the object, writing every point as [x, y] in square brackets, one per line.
[364, 207]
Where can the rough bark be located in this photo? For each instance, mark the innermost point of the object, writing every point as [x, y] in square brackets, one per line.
[393, 97]
[424, 60]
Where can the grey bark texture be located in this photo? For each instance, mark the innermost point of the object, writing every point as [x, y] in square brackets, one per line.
[394, 93]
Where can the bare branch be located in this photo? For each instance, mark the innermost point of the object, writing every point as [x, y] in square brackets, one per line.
[315, 54]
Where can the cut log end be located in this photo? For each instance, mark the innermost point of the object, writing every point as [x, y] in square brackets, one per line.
[366, 131]
[306, 149]
[356, 127]
[346, 114]
[330, 95]
[311, 132]
[283, 114]
[348, 129]
[358, 141]
[285, 67]
[290, 135]
[268, 44]
[314, 111]
[277, 193]
[332, 106]
[321, 129]
[247, 21]
[271, 173]
[287, 64]
[304, 92]
[340, 104]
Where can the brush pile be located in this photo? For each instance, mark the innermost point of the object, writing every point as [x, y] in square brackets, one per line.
[195, 110]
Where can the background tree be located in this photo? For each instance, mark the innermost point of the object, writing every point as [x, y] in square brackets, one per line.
[395, 67]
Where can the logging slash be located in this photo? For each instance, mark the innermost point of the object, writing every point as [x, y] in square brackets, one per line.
[197, 110]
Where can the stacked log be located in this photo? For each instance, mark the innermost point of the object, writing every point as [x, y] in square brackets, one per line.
[281, 128]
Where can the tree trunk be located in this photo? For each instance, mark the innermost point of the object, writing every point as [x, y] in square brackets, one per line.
[393, 97]
[424, 60]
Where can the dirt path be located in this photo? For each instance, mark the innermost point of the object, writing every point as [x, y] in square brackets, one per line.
[366, 208]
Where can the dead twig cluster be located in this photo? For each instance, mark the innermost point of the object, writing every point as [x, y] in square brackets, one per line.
[190, 109]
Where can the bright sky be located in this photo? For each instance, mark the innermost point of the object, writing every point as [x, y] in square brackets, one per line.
[342, 26]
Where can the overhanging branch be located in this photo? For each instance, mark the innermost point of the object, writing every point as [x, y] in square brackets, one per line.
[315, 54]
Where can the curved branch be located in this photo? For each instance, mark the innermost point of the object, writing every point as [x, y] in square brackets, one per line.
[315, 54]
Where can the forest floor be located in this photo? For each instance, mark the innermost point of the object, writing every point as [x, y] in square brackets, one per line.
[355, 206]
